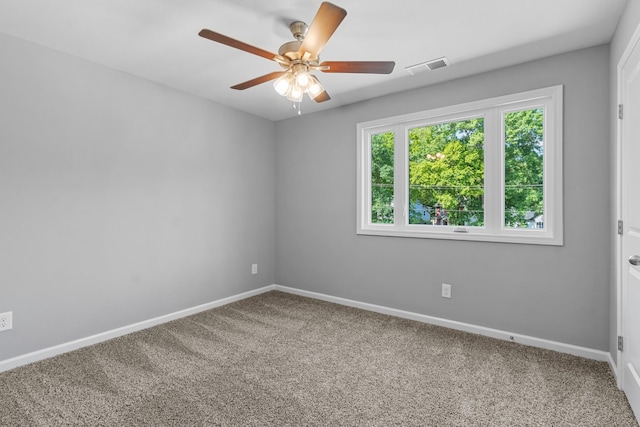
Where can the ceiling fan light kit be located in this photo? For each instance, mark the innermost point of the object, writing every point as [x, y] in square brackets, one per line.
[297, 81]
[301, 55]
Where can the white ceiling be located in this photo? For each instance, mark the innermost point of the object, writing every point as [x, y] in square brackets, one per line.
[158, 40]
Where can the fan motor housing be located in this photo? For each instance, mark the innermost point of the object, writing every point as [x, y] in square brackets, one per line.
[290, 49]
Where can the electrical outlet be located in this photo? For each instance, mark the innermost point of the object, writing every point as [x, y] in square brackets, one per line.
[446, 291]
[6, 321]
[254, 268]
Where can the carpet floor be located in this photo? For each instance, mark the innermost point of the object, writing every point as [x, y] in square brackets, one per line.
[282, 360]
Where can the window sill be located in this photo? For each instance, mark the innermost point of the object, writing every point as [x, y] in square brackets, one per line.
[523, 236]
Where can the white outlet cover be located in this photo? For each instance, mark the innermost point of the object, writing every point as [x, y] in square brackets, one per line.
[446, 290]
[6, 322]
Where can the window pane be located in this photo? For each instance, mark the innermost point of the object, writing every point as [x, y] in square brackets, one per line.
[446, 174]
[523, 169]
[382, 178]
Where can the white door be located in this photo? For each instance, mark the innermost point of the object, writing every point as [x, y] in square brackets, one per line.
[630, 260]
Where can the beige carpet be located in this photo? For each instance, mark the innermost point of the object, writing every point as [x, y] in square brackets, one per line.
[283, 360]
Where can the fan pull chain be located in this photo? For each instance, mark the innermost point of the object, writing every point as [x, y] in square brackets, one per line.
[296, 106]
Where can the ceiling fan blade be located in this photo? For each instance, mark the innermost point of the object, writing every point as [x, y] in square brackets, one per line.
[324, 24]
[322, 96]
[221, 38]
[258, 80]
[371, 67]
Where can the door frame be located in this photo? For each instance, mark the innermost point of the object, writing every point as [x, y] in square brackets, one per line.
[618, 267]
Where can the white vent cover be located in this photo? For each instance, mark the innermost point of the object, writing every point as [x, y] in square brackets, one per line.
[434, 64]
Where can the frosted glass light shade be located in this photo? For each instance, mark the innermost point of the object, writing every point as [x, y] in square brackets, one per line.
[303, 79]
[315, 88]
[283, 84]
[295, 94]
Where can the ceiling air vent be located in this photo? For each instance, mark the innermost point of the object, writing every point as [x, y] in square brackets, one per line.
[434, 64]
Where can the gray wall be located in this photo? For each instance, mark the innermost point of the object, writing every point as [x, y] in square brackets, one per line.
[628, 23]
[121, 200]
[555, 293]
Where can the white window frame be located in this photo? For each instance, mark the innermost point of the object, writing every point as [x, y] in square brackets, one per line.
[493, 111]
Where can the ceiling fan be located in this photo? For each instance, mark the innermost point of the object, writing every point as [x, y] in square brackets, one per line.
[300, 56]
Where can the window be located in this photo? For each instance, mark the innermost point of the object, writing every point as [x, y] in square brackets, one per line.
[382, 178]
[487, 170]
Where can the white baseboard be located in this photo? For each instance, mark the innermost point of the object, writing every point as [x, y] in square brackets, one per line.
[587, 353]
[614, 369]
[46, 353]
